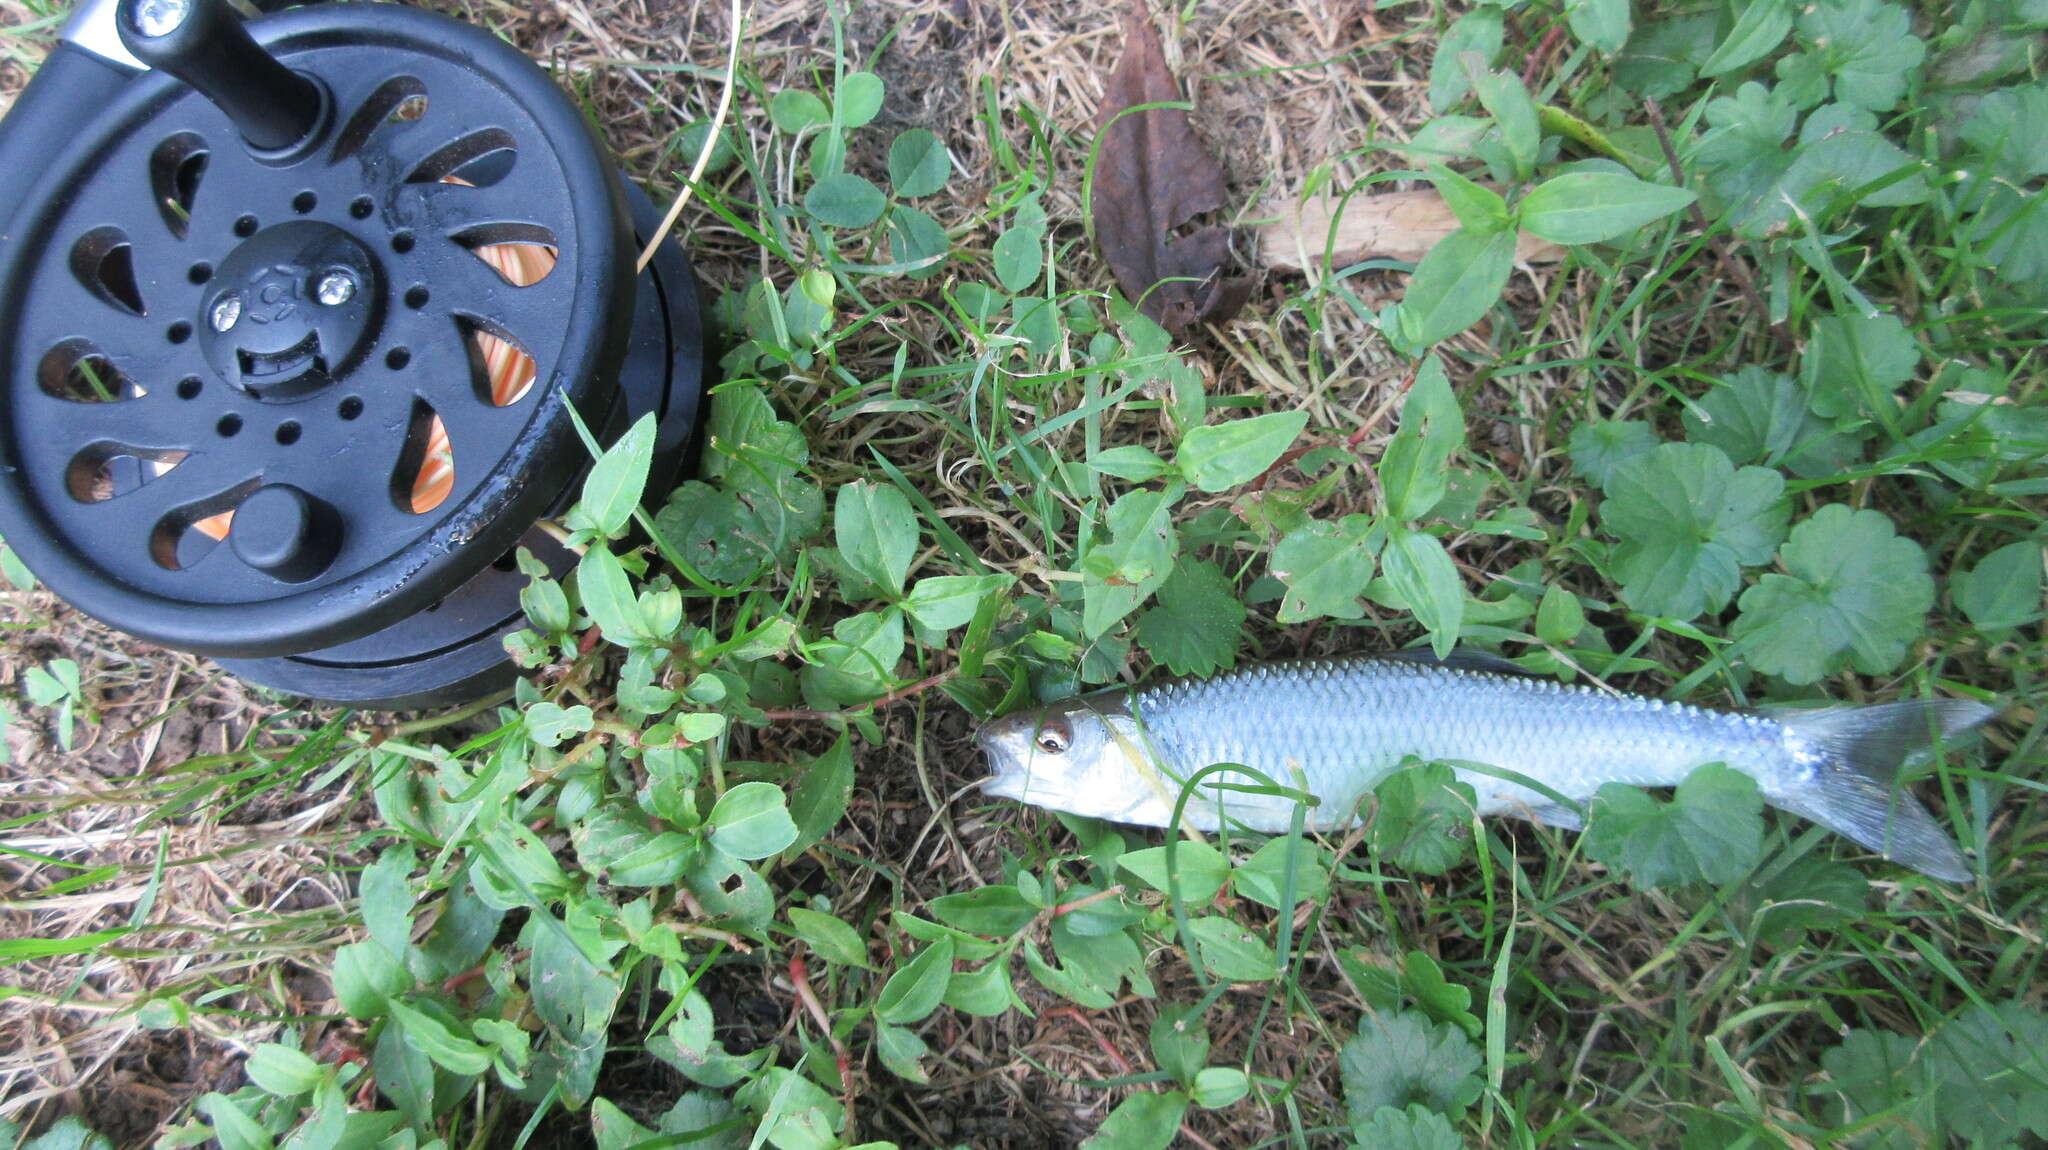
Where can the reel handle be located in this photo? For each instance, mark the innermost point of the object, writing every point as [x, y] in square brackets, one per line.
[203, 43]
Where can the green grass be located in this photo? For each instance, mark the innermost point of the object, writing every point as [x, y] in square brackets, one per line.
[711, 873]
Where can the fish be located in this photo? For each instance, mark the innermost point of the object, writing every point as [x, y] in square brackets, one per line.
[1337, 727]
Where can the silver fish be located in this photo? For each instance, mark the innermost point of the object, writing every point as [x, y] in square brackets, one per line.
[1345, 724]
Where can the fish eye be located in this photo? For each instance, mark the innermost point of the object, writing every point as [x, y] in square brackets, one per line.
[1054, 739]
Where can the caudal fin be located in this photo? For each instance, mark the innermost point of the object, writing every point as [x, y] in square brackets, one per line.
[1855, 793]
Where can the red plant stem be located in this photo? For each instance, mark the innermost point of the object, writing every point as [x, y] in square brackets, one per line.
[800, 977]
[1541, 56]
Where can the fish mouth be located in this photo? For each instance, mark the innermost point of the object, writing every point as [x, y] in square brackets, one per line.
[1006, 777]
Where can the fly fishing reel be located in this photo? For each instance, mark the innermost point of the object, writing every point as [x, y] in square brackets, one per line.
[292, 317]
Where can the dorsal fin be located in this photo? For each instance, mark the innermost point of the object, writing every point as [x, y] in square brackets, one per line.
[1464, 659]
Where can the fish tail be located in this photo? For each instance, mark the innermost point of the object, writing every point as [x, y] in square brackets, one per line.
[1854, 791]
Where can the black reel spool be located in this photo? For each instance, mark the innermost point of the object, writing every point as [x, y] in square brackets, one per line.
[259, 282]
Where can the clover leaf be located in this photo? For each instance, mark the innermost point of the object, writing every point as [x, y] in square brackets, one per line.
[1688, 522]
[1855, 362]
[1710, 832]
[1195, 625]
[1854, 593]
[1868, 46]
[1597, 449]
[1399, 1057]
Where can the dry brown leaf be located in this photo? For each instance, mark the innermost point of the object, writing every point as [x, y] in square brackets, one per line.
[1390, 225]
[1152, 178]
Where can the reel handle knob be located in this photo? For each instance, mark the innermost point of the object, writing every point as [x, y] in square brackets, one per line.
[281, 530]
[203, 43]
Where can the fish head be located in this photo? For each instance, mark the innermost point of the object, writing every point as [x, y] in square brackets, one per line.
[1084, 756]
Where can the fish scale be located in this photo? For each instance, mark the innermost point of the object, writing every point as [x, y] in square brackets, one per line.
[1348, 723]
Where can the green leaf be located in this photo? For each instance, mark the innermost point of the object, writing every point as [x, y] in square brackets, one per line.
[1559, 617]
[915, 237]
[877, 533]
[1593, 207]
[1854, 363]
[282, 1070]
[365, 976]
[1660, 57]
[1455, 285]
[901, 1049]
[751, 821]
[1515, 113]
[1478, 209]
[1018, 256]
[1399, 1057]
[659, 861]
[983, 993]
[1216, 1087]
[1755, 415]
[918, 164]
[549, 723]
[1710, 832]
[1134, 462]
[1423, 816]
[432, 1037]
[1868, 46]
[613, 1129]
[1760, 26]
[845, 201]
[917, 989]
[606, 594]
[1421, 572]
[857, 99]
[730, 536]
[1991, 1067]
[232, 1125]
[2007, 130]
[16, 572]
[1479, 30]
[1197, 623]
[943, 602]
[996, 910]
[1180, 1042]
[1219, 456]
[1121, 574]
[1602, 24]
[386, 897]
[616, 481]
[1230, 951]
[1144, 1121]
[1812, 893]
[1439, 997]
[1599, 449]
[1202, 869]
[830, 938]
[793, 110]
[1688, 521]
[1853, 593]
[1414, 469]
[1262, 878]
[821, 794]
[2004, 590]
[1416, 1128]
[1325, 567]
[1874, 1071]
